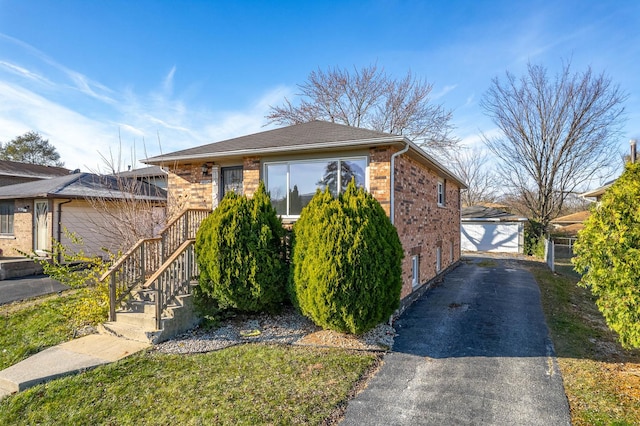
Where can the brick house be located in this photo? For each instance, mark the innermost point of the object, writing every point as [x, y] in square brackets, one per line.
[421, 197]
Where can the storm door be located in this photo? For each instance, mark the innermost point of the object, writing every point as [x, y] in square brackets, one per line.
[231, 180]
[41, 226]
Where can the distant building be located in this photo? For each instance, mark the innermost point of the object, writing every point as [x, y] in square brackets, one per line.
[13, 172]
[490, 229]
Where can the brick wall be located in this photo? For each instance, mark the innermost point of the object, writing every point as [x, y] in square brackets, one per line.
[22, 238]
[423, 226]
[250, 175]
[187, 187]
[379, 176]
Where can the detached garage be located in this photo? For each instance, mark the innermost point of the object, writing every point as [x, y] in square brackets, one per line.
[490, 229]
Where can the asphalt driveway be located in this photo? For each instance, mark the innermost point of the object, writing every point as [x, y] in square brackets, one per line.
[28, 287]
[474, 350]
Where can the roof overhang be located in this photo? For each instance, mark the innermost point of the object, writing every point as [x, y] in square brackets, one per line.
[337, 146]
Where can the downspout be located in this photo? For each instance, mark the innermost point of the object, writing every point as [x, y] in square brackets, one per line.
[60, 227]
[392, 213]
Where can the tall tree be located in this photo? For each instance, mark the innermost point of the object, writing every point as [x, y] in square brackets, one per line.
[31, 148]
[473, 166]
[371, 99]
[557, 133]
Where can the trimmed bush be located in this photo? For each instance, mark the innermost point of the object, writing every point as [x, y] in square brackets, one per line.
[607, 253]
[346, 262]
[241, 253]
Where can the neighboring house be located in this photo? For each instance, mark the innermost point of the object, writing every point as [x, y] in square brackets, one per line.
[490, 229]
[597, 193]
[33, 214]
[569, 225]
[421, 197]
[12, 172]
[155, 175]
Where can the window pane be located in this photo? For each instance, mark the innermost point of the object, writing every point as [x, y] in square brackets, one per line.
[306, 177]
[352, 169]
[6, 217]
[276, 177]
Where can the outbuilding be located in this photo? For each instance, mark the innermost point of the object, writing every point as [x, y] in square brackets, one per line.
[491, 229]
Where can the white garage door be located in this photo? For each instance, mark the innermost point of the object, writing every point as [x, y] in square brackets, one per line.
[497, 237]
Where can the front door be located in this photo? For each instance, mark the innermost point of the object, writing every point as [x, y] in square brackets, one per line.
[41, 226]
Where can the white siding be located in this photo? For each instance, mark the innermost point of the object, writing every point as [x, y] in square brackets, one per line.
[494, 237]
[80, 218]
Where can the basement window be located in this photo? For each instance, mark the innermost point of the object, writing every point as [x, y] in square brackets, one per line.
[415, 270]
[441, 192]
[438, 259]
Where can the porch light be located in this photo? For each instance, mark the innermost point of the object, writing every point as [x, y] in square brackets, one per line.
[205, 169]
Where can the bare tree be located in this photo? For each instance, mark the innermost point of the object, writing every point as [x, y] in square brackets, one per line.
[126, 210]
[472, 165]
[371, 99]
[558, 133]
[126, 207]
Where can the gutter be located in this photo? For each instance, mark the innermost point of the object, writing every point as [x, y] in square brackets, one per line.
[60, 226]
[392, 214]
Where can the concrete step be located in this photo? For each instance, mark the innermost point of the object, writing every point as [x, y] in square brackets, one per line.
[18, 267]
[146, 295]
[143, 307]
[130, 332]
[141, 320]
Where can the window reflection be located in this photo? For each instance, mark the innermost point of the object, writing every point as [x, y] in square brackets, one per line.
[305, 177]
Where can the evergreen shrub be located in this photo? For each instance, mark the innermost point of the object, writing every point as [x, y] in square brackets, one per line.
[607, 253]
[241, 255]
[346, 262]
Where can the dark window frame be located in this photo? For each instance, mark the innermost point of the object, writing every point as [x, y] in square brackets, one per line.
[7, 213]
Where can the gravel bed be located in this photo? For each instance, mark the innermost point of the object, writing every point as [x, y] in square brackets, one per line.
[287, 327]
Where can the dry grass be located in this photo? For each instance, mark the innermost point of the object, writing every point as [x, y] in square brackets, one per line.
[601, 379]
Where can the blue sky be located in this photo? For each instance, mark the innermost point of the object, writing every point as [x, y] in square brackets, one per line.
[141, 77]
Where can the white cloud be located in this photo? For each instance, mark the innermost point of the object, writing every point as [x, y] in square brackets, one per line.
[22, 72]
[119, 120]
[444, 91]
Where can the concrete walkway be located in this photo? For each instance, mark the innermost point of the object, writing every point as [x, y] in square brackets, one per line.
[67, 358]
[472, 351]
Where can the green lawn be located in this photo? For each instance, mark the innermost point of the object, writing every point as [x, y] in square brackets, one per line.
[601, 379]
[247, 384]
[29, 327]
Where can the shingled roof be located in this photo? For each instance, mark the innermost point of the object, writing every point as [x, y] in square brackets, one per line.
[17, 169]
[81, 185]
[484, 213]
[305, 137]
[313, 134]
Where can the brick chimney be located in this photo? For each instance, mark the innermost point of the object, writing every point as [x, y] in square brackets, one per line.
[632, 142]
